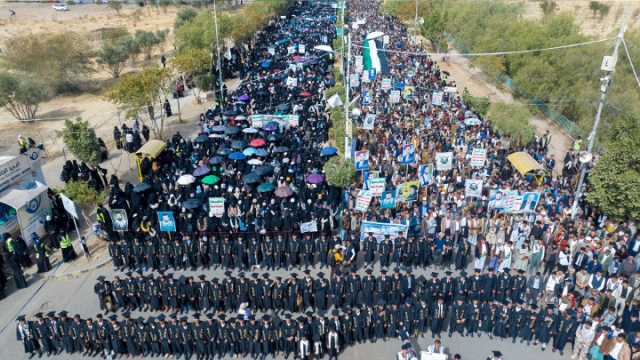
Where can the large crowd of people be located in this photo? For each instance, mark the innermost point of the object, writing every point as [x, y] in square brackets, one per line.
[541, 273]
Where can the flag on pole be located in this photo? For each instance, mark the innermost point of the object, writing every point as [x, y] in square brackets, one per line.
[374, 57]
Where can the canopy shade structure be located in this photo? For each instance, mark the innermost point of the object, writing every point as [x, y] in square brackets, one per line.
[17, 196]
[526, 165]
[150, 150]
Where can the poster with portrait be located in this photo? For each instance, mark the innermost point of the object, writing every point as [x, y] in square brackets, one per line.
[394, 96]
[497, 199]
[377, 186]
[478, 157]
[388, 199]
[444, 161]
[408, 92]
[369, 121]
[408, 154]
[373, 73]
[367, 177]
[408, 191]
[167, 221]
[472, 188]
[362, 160]
[366, 97]
[119, 219]
[425, 173]
[529, 202]
[363, 200]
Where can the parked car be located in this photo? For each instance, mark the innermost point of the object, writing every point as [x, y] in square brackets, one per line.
[60, 7]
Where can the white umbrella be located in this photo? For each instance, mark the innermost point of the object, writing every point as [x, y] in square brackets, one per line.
[374, 35]
[254, 162]
[473, 121]
[186, 179]
[241, 117]
[250, 131]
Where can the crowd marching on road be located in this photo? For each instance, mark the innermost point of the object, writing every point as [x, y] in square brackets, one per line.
[451, 202]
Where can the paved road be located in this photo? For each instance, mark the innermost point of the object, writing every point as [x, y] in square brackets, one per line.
[76, 296]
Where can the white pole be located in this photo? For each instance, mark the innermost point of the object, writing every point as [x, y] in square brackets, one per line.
[344, 5]
[75, 223]
[604, 87]
[215, 16]
[347, 139]
[415, 27]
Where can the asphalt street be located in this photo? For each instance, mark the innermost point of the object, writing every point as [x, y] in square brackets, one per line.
[77, 297]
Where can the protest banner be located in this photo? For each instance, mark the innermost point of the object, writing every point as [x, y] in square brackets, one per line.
[472, 188]
[385, 84]
[394, 97]
[425, 173]
[379, 230]
[216, 206]
[363, 200]
[354, 80]
[377, 186]
[437, 98]
[444, 161]
[302, 48]
[310, 226]
[478, 157]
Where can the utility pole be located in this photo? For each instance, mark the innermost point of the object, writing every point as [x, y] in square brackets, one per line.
[415, 27]
[608, 64]
[215, 18]
[347, 124]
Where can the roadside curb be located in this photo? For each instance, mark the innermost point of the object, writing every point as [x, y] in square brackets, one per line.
[66, 276]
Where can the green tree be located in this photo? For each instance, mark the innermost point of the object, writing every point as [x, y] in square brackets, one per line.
[340, 172]
[130, 44]
[548, 7]
[40, 56]
[615, 179]
[85, 197]
[147, 41]
[184, 16]
[477, 103]
[164, 4]
[204, 82]
[162, 35]
[595, 7]
[113, 58]
[112, 35]
[512, 120]
[135, 92]
[81, 140]
[115, 5]
[22, 96]
[191, 63]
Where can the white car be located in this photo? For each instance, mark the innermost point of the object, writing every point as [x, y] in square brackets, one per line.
[60, 7]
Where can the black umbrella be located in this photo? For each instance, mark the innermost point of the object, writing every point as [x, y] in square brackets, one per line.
[231, 130]
[281, 149]
[230, 113]
[191, 204]
[224, 151]
[283, 107]
[251, 178]
[264, 170]
[238, 145]
[141, 187]
[216, 160]
[273, 137]
[201, 139]
[262, 92]
[446, 72]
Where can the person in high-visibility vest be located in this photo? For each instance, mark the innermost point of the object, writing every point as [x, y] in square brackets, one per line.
[22, 144]
[42, 256]
[68, 254]
[9, 243]
[577, 144]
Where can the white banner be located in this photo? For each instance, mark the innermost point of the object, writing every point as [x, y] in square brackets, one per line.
[478, 157]
[444, 161]
[377, 186]
[310, 226]
[216, 206]
[363, 200]
[437, 98]
[369, 121]
[472, 188]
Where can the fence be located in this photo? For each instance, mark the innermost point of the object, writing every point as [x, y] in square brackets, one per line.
[563, 122]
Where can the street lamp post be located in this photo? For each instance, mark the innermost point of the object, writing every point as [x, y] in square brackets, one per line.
[347, 124]
[215, 18]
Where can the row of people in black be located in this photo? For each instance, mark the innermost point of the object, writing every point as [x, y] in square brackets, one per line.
[248, 251]
[297, 294]
[309, 336]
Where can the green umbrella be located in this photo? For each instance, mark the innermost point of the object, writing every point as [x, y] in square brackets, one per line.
[211, 179]
[266, 187]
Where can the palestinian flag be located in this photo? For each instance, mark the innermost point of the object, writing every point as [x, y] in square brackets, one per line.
[374, 57]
